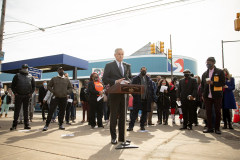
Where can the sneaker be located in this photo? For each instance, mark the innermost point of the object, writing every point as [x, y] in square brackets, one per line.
[217, 131]
[20, 122]
[181, 121]
[45, 128]
[68, 123]
[73, 121]
[61, 127]
[82, 121]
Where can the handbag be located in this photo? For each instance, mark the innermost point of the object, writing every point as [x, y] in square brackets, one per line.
[105, 98]
[202, 113]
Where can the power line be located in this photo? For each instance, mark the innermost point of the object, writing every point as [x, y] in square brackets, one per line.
[104, 15]
[98, 23]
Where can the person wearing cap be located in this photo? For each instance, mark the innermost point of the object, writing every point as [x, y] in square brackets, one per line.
[60, 86]
[23, 86]
[187, 93]
[213, 81]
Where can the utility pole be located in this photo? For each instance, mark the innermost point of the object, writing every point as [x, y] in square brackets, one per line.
[2, 25]
[171, 58]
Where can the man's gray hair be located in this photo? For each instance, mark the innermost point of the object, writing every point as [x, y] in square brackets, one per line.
[118, 49]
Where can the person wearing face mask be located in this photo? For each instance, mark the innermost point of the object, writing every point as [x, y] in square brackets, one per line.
[142, 101]
[163, 100]
[42, 93]
[60, 86]
[213, 81]
[173, 97]
[95, 89]
[187, 93]
[6, 100]
[228, 101]
[23, 85]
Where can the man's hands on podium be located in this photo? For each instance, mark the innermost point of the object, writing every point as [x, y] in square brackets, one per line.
[119, 80]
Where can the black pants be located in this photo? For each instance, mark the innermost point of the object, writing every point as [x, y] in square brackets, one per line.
[96, 107]
[43, 111]
[67, 111]
[163, 113]
[187, 109]
[134, 114]
[19, 100]
[117, 106]
[226, 115]
[108, 111]
[62, 103]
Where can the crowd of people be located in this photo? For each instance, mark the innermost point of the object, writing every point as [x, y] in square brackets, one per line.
[213, 92]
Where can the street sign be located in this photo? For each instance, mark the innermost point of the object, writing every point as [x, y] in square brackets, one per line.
[36, 73]
[75, 83]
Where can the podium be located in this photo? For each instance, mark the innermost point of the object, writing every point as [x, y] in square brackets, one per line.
[126, 89]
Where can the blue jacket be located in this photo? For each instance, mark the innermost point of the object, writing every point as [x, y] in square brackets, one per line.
[137, 105]
[228, 99]
[155, 98]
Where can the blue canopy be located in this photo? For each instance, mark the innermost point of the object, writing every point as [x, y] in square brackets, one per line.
[48, 64]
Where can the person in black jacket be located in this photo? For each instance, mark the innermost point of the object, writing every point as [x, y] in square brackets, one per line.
[187, 93]
[141, 101]
[23, 86]
[5, 103]
[173, 97]
[84, 101]
[42, 93]
[95, 89]
[212, 84]
[163, 100]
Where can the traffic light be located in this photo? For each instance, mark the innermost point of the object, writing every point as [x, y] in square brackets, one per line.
[237, 22]
[153, 49]
[162, 47]
[169, 53]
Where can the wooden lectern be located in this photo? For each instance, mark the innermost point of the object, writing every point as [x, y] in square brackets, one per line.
[126, 89]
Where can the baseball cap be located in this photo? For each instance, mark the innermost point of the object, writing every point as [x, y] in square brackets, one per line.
[60, 68]
[24, 66]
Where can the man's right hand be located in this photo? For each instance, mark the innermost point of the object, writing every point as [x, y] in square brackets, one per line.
[119, 80]
[178, 99]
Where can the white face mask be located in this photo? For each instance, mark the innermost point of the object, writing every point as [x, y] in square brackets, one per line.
[25, 70]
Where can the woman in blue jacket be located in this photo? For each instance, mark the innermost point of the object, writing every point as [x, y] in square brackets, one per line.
[228, 99]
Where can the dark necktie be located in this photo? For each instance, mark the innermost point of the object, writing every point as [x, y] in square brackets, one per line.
[120, 68]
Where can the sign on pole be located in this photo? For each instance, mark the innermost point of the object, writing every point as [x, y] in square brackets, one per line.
[36, 73]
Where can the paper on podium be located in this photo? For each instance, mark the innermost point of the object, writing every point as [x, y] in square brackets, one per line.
[124, 82]
[163, 88]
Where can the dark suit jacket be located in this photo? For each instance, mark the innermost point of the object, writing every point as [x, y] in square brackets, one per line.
[218, 82]
[112, 73]
[42, 94]
[189, 89]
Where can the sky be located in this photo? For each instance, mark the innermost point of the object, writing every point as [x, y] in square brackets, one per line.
[196, 27]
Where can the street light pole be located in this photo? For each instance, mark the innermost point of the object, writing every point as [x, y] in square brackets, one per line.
[171, 58]
[222, 56]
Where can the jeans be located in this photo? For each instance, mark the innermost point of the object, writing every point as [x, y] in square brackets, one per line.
[105, 109]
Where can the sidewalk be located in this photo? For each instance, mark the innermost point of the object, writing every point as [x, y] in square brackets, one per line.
[161, 142]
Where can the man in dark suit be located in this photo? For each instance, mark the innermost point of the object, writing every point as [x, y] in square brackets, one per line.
[115, 72]
[212, 84]
[187, 93]
[42, 93]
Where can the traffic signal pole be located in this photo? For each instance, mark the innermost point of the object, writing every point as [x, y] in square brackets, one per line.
[171, 58]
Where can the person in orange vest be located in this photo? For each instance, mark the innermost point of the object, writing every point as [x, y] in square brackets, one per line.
[95, 89]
